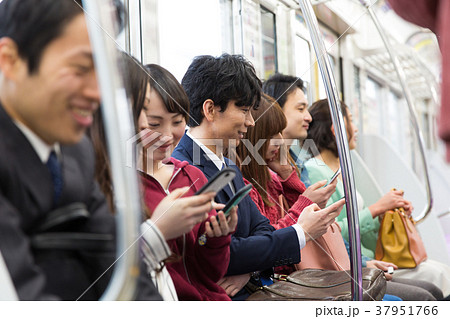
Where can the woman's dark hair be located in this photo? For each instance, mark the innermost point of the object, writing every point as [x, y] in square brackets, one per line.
[34, 24]
[136, 81]
[169, 89]
[270, 121]
[222, 79]
[279, 86]
[320, 127]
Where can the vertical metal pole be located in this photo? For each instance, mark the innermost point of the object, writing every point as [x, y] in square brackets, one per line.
[126, 4]
[118, 128]
[409, 101]
[342, 146]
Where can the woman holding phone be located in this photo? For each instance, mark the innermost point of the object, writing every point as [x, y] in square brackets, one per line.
[200, 257]
[199, 245]
[283, 179]
[322, 166]
[271, 171]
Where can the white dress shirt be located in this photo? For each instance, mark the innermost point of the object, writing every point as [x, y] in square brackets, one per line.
[41, 148]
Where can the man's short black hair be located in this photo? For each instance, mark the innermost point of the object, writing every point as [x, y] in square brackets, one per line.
[33, 24]
[221, 79]
[279, 86]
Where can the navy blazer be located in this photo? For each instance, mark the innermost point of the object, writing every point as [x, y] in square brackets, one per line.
[255, 245]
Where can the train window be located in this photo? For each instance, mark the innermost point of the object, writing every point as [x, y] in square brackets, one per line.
[356, 101]
[331, 43]
[185, 31]
[394, 121]
[269, 42]
[321, 86]
[251, 34]
[373, 111]
[303, 67]
[226, 11]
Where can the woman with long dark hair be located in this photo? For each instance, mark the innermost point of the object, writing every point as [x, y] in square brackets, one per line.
[195, 248]
[323, 165]
[267, 165]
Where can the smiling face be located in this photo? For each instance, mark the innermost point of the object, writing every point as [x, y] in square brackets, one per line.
[171, 126]
[58, 100]
[298, 118]
[232, 124]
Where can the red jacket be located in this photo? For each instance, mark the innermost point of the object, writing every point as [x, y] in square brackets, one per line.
[200, 267]
[291, 188]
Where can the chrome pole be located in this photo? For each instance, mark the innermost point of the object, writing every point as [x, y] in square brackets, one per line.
[409, 101]
[342, 146]
[118, 128]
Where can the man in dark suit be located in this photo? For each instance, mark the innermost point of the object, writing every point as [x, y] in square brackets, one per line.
[222, 91]
[48, 94]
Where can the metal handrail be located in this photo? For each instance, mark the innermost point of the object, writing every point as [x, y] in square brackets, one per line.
[409, 102]
[118, 128]
[342, 146]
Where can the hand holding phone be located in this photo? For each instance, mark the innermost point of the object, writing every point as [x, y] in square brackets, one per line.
[237, 199]
[218, 181]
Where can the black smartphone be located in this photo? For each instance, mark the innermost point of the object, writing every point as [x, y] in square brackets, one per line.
[336, 174]
[218, 181]
[236, 199]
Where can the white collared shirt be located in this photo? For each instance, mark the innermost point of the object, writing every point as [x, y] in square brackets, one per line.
[220, 162]
[41, 148]
[217, 160]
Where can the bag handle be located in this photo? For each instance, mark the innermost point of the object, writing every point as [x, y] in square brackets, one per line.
[277, 292]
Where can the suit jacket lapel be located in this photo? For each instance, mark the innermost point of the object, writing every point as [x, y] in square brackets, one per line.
[201, 160]
[35, 174]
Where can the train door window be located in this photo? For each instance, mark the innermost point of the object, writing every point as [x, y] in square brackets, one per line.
[226, 11]
[185, 31]
[394, 115]
[373, 110]
[269, 42]
[356, 101]
[331, 43]
[321, 86]
[303, 64]
[251, 34]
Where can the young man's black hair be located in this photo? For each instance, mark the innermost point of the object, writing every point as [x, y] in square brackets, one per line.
[237, 78]
[279, 86]
[33, 24]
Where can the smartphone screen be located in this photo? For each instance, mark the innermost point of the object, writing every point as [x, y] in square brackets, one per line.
[218, 181]
[237, 199]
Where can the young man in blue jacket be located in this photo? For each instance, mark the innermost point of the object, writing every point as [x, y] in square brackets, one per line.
[222, 91]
